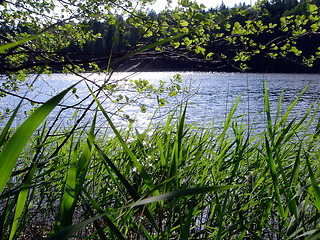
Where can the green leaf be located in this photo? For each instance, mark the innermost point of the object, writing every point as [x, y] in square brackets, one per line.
[314, 27]
[312, 8]
[175, 44]
[272, 25]
[196, 7]
[238, 29]
[185, 3]
[187, 41]
[200, 50]
[184, 23]
[209, 56]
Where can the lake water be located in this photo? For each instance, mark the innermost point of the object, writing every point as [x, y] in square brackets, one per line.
[211, 95]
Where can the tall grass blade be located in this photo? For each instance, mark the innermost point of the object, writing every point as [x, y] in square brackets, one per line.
[187, 224]
[296, 168]
[6, 217]
[274, 177]
[67, 232]
[5, 130]
[182, 193]
[135, 196]
[315, 236]
[122, 179]
[143, 173]
[291, 106]
[75, 180]
[176, 154]
[69, 194]
[12, 149]
[21, 201]
[277, 148]
[310, 235]
[229, 119]
[279, 106]
[314, 184]
[104, 216]
[267, 110]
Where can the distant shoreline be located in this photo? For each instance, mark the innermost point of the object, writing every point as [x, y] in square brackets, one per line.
[260, 66]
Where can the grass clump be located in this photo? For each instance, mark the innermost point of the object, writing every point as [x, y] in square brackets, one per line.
[172, 181]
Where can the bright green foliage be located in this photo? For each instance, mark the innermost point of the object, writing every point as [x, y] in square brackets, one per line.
[31, 29]
[173, 180]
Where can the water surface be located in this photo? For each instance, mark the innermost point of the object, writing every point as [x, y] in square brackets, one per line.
[210, 99]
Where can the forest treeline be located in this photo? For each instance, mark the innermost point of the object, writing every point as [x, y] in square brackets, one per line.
[118, 38]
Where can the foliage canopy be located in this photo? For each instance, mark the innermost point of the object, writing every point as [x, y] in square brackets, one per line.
[56, 30]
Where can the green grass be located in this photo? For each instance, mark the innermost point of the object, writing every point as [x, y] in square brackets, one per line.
[172, 181]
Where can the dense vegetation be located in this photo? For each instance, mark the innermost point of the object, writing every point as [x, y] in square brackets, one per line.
[270, 36]
[227, 55]
[173, 180]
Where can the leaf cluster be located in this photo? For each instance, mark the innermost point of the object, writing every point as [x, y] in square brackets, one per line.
[95, 32]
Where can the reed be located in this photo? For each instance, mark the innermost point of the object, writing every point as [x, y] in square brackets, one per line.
[172, 181]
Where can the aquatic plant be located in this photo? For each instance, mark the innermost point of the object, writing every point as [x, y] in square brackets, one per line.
[171, 181]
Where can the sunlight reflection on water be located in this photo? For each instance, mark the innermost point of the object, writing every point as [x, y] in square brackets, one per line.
[211, 98]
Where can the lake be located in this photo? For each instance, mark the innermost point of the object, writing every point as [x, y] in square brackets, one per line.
[210, 97]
